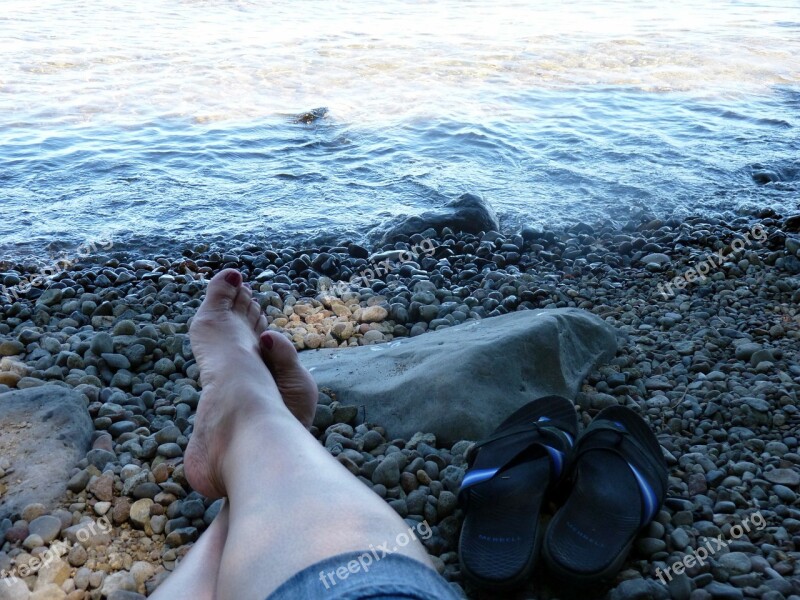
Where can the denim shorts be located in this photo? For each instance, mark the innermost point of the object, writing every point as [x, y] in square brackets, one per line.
[355, 576]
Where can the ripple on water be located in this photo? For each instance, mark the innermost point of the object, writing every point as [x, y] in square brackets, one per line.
[200, 120]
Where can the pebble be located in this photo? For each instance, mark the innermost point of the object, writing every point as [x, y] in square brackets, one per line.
[140, 512]
[736, 563]
[387, 473]
[789, 477]
[46, 527]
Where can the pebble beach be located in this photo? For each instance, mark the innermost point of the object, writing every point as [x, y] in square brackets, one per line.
[707, 355]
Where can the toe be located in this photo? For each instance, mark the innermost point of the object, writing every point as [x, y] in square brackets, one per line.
[242, 302]
[223, 289]
[278, 352]
[261, 326]
[254, 312]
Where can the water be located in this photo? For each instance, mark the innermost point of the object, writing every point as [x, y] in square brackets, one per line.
[176, 123]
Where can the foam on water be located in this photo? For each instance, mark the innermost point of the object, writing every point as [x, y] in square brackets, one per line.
[174, 122]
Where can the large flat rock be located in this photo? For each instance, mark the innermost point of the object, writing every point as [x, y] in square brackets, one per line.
[461, 382]
[44, 432]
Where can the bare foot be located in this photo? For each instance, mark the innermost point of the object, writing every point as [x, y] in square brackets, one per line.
[237, 385]
[297, 387]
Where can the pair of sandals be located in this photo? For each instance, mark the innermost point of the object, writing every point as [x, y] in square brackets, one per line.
[618, 479]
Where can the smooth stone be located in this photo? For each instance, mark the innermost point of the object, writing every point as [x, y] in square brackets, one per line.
[745, 351]
[140, 511]
[119, 581]
[373, 314]
[650, 546]
[14, 589]
[680, 539]
[100, 458]
[77, 556]
[528, 354]
[737, 563]
[170, 450]
[46, 526]
[387, 473]
[181, 536]
[102, 487]
[116, 361]
[639, 589]
[11, 348]
[656, 258]
[102, 343]
[722, 591]
[43, 454]
[784, 493]
[788, 477]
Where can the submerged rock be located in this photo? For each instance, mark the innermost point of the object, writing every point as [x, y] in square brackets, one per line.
[468, 213]
[312, 115]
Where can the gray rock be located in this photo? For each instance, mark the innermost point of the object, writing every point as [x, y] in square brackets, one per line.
[680, 587]
[100, 457]
[656, 258]
[746, 350]
[46, 527]
[784, 493]
[639, 589]
[116, 361]
[167, 435]
[680, 539]
[117, 582]
[387, 473]
[43, 454]
[783, 476]
[419, 384]
[170, 450]
[737, 563]
[181, 536]
[50, 297]
[102, 343]
[722, 591]
[192, 509]
[78, 481]
[468, 213]
[14, 589]
[650, 546]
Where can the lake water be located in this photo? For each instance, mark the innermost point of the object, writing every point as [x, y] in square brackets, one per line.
[175, 122]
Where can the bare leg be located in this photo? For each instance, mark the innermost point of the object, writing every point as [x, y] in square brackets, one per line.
[291, 503]
[196, 575]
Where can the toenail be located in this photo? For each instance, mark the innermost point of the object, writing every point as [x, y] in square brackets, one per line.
[232, 278]
[268, 342]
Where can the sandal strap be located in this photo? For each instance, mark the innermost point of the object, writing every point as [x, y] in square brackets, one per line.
[612, 436]
[513, 442]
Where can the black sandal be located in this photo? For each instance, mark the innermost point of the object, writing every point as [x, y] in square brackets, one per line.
[620, 482]
[504, 488]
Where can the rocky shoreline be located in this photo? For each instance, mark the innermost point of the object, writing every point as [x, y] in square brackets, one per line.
[712, 365]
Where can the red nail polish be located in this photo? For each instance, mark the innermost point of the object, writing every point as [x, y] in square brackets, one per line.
[233, 278]
[267, 339]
